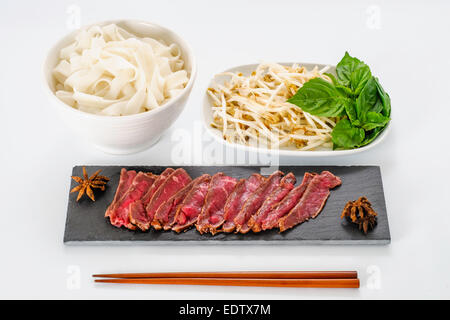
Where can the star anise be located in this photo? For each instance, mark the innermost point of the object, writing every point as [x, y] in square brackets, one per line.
[86, 184]
[361, 213]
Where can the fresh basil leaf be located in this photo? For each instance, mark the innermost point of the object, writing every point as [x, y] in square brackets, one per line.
[371, 135]
[385, 99]
[378, 107]
[346, 136]
[387, 104]
[367, 100]
[359, 78]
[350, 109]
[346, 67]
[374, 120]
[332, 77]
[355, 94]
[319, 97]
[344, 90]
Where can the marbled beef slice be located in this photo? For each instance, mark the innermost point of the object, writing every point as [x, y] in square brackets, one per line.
[312, 201]
[212, 213]
[164, 216]
[256, 199]
[174, 183]
[120, 213]
[286, 185]
[187, 213]
[243, 190]
[125, 180]
[283, 207]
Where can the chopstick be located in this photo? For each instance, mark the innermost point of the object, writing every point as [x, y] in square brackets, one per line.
[292, 283]
[293, 279]
[240, 274]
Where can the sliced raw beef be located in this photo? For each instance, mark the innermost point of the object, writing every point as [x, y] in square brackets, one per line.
[312, 201]
[126, 178]
[189, 210]
[257, 198]
[138, 215]
[254, 223]
[161, 179]
[283, 208]
[174, 183]
[165, 215]
[120, 213]
[138, 212]
[212, 213]
[237, 199]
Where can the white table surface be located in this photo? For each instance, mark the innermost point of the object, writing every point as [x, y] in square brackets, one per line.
[406, 45]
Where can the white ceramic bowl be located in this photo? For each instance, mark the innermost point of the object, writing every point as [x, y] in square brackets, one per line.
[125, 134]
[217, 134]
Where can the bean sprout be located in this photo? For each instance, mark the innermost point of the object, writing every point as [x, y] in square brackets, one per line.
[254, 110]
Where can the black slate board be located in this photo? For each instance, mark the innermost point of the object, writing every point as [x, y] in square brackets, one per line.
[86, 224]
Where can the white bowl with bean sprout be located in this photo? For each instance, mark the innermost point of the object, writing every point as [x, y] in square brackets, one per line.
[246, 107]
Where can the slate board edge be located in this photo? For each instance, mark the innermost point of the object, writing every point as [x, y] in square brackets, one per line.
[230, 242]
[288, 242]
[384, 200]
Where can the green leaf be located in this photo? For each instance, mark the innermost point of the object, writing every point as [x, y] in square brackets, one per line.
[320, 98]
[346, 67]
[346, 136]
[385, 99]
[375, 120]
[371, 135]
[359, 78]
[332, 77]
[378, 107]
[345, 91]
[367, 100]
[355, 95]
[350, 109]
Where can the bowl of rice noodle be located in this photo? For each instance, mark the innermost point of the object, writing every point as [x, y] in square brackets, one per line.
[120, 84]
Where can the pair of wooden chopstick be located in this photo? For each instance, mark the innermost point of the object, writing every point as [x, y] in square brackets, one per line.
[293, 279]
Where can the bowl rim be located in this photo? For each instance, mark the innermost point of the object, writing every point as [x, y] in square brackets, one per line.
[184, 44]
[281, 151]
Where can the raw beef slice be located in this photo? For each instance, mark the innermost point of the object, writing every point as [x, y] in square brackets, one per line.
[237, 199]
[212, 213]
[189, 210]
[312, 201]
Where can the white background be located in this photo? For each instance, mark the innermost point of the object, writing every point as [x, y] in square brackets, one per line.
[406, 45]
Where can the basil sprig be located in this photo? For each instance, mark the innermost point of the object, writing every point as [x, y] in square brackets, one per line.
[355, 96]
